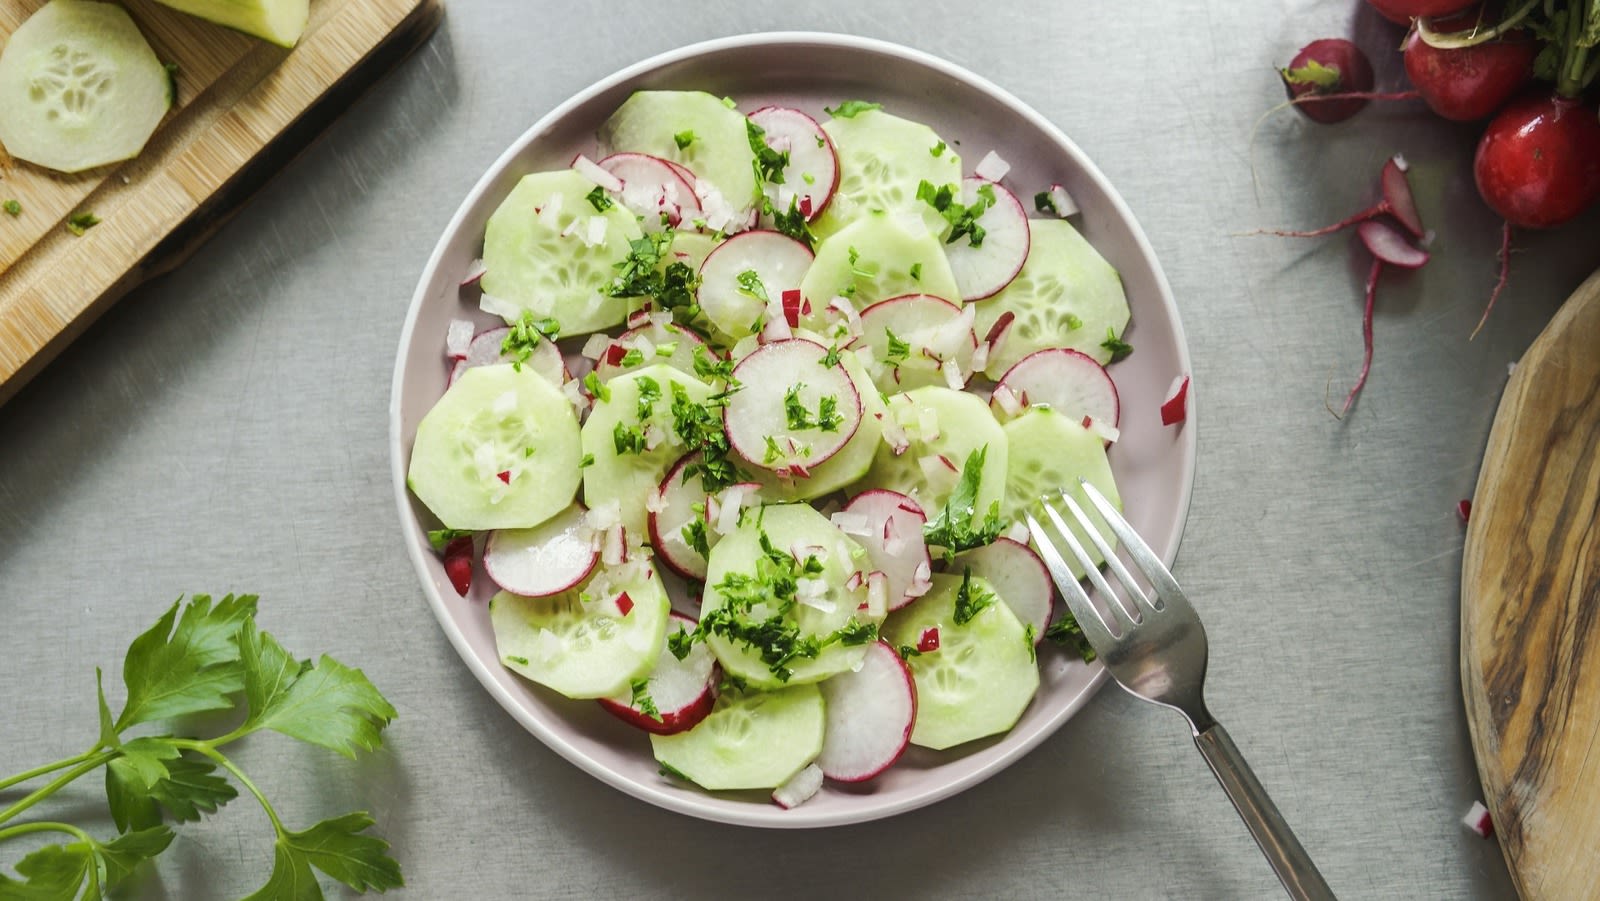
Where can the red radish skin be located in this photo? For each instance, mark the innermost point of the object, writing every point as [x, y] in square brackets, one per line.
[1175, 408]
[1068, 381]
[1464, 510]
[675, 554]
[1538, 162]
[1401, 12]
[1389, 245]
[1477, 819]
[1326, 67]
[1465, 84]
[458, 563]
[870, 713]
[544, 560]
[683, 691]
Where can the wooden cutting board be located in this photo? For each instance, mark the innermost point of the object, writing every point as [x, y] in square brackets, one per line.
[1530, 611]
[245, 108]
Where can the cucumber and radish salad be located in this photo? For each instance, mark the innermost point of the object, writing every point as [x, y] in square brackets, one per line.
[745, 460]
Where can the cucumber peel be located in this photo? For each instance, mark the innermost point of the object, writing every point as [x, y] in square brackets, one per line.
[278, 21]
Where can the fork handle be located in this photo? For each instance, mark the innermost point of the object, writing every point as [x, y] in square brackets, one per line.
[1288, 858]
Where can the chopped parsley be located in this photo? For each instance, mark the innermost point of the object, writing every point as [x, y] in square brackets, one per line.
[683, 139]
[857, 270]
[953, 529]
[669, 770]
[172, 83]
[768, 163]
[938, 149]
[633, 356]
[524, 337]
[850, 108]
[1029, 634]
[963, 218]
[710, 368]
[664, 349]
[586, 462]
[792, 223]
[694, 534]
[519, 661]
[699, 425]
[1118, 347]
[828, 418]
[750, 285]
[627, 440]
[898, 350]
[636, 274]
[642, 701]
[971, 599]
[729, 103]
[1074, 322]
[597, 389]
[907, 652]
[598, 199]
[649, 393]
[831, 358]
[916, 272]
[13, 208]
[78, 223]
[773, 453]
[441, 538]
[1044, 203]
[1067, 633]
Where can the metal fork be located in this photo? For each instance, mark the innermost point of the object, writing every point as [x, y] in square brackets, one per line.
[1158, 652]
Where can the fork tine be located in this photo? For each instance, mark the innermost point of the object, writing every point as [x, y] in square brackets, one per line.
[1126, 618]
[1160, 577]
[1083, 610]
[1152, 601]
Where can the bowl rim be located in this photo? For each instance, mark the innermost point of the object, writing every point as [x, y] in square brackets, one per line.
[664, 795]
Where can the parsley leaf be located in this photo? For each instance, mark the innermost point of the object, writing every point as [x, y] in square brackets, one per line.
[963, 218]
[336, 847]
[694, 534]
[850, 108]
[1066, 632]
[953, 529]
[970, 599]
[795, 411]
[627, 440]
[898, 350]
[937, 150]
[769, 164]
[525, 336]
[792, 223]
[597, 389]
[598, 199]
[750, 285]
[327, 704]
[1118, 347]
[683, 139]
[192, 668]
[642, 701]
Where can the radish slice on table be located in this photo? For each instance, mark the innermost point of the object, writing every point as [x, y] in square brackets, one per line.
[870, 712]
[653, 189]
[648, 344]
[677, 695]
[1067, 381]
[485, 350]
[912, 335]
[894, 543]
[1018, 576]
[793, 411]
[544, 560]
[1389, 245]
[747, 273]
[1175, 408]
[674, 512]
[1397, 194]
[981, 270]
[801, 787]
[813, 171]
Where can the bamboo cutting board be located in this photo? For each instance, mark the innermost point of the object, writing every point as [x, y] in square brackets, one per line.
[244, 109]
[1530, 611]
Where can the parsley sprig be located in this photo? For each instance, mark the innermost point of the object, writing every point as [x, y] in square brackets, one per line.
[202, 657]
[963, 218]
[954, 528]
[768, 163]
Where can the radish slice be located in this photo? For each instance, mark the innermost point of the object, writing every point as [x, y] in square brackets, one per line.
[654, 190]
[651, 344]
[1018, 576]
[682, 692]
[474, 273]
[737, 303]
[1397, 194]
[457, 337]
[485, 351]
[1175, 408]
[983, 270]
[894, 542]
[1389, 245]
[813, 171]
[1067, 381]
[678, 495]
[781, 380]
[870, 713]
[931, 331]
[544, 560]
[801, 787]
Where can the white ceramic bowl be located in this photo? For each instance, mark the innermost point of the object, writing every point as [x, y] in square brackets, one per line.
[1154, 465]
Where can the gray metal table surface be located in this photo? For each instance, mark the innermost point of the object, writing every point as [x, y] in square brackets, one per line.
[224, 429]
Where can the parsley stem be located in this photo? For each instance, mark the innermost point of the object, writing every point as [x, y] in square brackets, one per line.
[206, 749]
[61, 764]
[55, 784]
[42, 826]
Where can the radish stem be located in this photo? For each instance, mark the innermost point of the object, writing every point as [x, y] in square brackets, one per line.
[1455, 40]
[1500, 284]
[1571, 80]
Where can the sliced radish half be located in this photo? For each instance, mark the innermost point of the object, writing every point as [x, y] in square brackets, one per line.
[1397, 193]
[747, 273]
[648, 344]
[813, 171]
[892, 538]
[870, 712]
[1018, 576]
[673, 513]
[911, 338]
[485, 351]
[1175, 408]
[801, 787]
[654, 190]
[982, 270]
[1389, 244]
[679, 692]
[1066, 381]
[793, 411]
[544, 560]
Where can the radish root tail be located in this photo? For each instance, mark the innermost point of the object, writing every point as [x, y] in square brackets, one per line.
[1366, 339]
[1500, 284]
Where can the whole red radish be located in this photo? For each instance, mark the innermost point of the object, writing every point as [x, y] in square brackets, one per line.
[1401, 12]
[1328, 66]
[1465, 84]
[1538, 163]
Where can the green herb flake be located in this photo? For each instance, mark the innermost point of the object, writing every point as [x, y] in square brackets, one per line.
[586, 462]
[664, 349]
[1029, 635]
[1119, 348]
[649, 393]
[971, 600]
[769, 164]
[1044, 203]
[750, 285]
[525, 336]
[1066, 632]
[916, 272]
[962, 218]
[519, 661]
[441, 538]
[78, 223]
[599, 200]
[792, 223]
[828, 417]
[938, 149]
[633, 356]
[953, 529]
[597, 389]
[851, 108]
[729, 103]
[773, 452]
[898, 350]
[13, 208]
[642, 701]
[627, 440]
[683, 139]
[695, 535]
[172, 83]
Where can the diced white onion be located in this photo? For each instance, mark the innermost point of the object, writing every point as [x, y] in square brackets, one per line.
[604, 516]
[800, 788]
[550, 214]
[505, 309]
[591, 170]
[927, 424]
[655, 501]
[877, 593]
[645, 346]
[921, 580]
[991, 167]
[596, 346]
[1007, 400]
[484, 462]
[615, 549]
[845, 308]
[597, 231]
[1065, 205]
[894, 435]
[547, 645]
[952, 375]
[457, 337]
[1018, 532]
[864, 356]
[980, 357]
[852, 523]
[1106, 431]
[1400, 163]
[776, 328]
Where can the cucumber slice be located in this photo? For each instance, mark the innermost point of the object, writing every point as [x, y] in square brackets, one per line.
[853, 460]
[531, 266]
[79, 87]
[629, 476]
[750, 740]
[942, 427]
[589, 642]
[1066, 295]
[882, 159]
[498, 451]
[717, 150]
[876, 257]
[1050, 452]
[793, 531]
[278, 21]
[974, 679]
